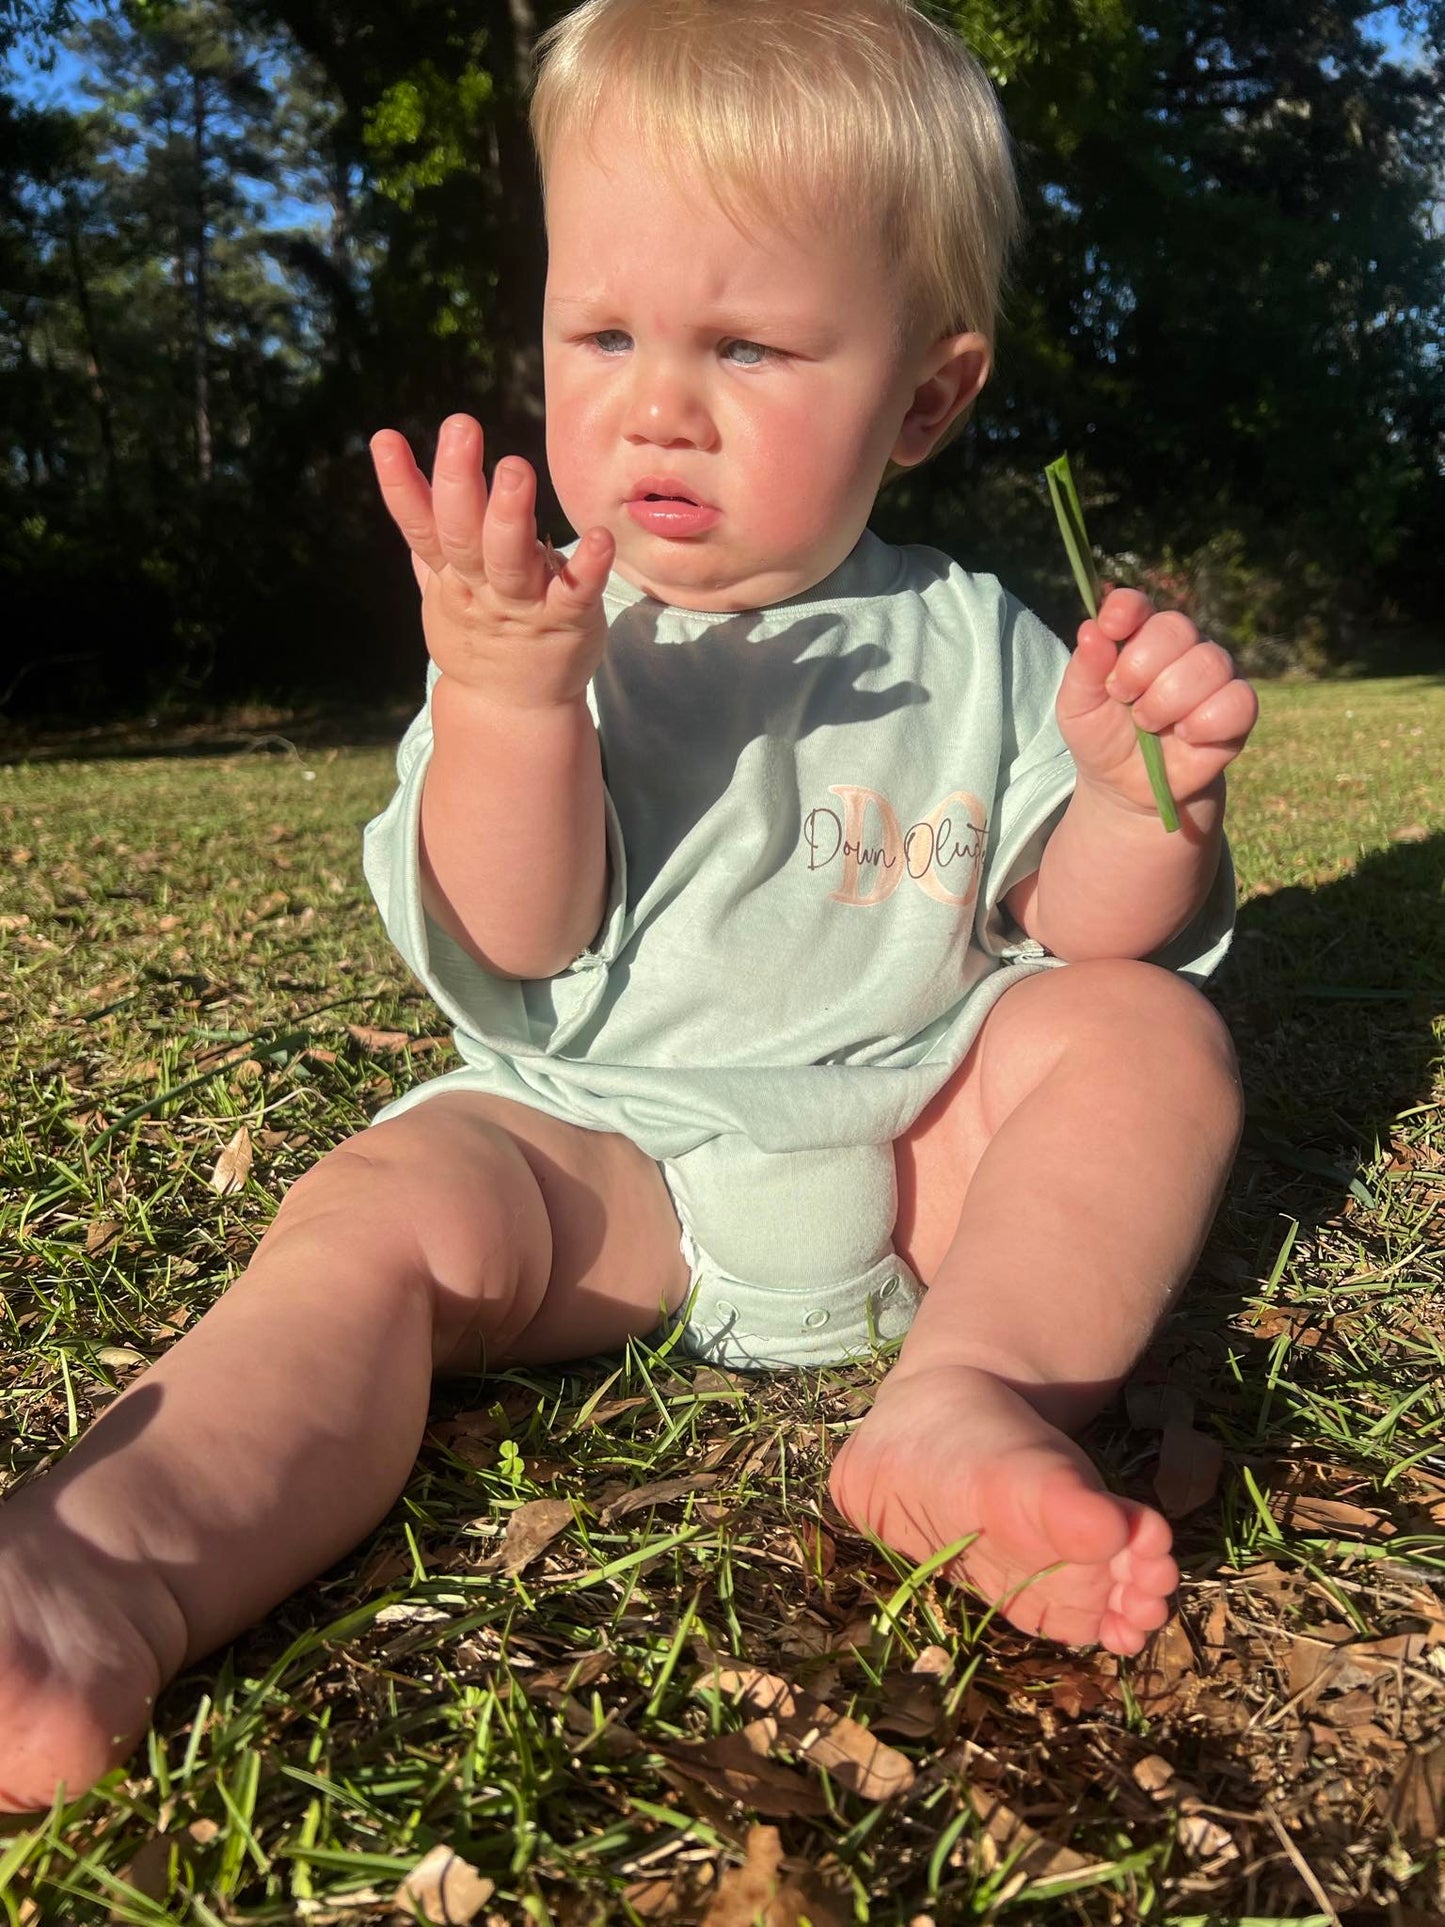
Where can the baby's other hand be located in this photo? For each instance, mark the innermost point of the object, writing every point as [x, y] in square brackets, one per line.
[1136, 665]
[502, 613]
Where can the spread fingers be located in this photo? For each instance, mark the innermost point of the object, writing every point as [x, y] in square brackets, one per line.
[516, 567]
[459, 494]
[405, 493]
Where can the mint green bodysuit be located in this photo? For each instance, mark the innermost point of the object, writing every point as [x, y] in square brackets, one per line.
[814, 811]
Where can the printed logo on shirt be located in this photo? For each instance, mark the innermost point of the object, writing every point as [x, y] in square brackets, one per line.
[864, 846]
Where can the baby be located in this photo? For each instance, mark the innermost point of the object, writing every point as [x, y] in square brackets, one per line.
[818, 959]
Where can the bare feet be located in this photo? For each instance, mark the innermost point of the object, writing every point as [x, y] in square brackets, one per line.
[952, 1450]
[87, 1640]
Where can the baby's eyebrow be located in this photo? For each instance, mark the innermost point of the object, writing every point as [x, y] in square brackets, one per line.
[748, 323]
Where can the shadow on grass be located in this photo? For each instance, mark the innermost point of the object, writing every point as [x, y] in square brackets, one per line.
[1333, 996]
[254, 730]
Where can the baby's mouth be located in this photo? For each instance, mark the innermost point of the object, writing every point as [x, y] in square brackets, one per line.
[665, 488]
[669, 510]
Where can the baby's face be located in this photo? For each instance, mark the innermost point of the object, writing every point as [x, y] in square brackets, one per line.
[759, 374]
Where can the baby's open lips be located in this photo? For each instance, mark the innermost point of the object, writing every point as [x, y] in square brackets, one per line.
[665, 488]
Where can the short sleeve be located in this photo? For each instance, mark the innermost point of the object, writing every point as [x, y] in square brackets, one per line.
[519, 1016]
[1036, 772]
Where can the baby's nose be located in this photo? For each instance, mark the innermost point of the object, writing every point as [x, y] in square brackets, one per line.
[668, 408]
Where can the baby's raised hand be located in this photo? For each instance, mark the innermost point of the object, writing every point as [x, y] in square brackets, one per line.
[1165, 678]
[500, 611]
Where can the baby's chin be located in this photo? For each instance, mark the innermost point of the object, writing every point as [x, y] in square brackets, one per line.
[687, 576]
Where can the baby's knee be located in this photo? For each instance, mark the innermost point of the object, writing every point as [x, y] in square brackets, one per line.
[439, 1193]
[1167, 1028]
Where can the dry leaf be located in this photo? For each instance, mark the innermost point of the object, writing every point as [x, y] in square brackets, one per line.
[829, 1740]
[817, 1548]
[661, 1492]
[612, 1740]
[1304, 1513]
[1188, 1472]
[1216, 1627]
[1163, 1678]
[475, 1446]
[149, 1871]
[1204, 1839]
[393, 1040]
[732, 1766]
[530, 1530]
[580, 1670]
[614, 1408]
[1013, 1839]
[759, 1894]
[1316, 1666]
[101, 1235]
[1403, 1646]
[654, 1899]
[1154, 1774]
[913, 1703]
[409, 1613]
[708, 1378]
[233, 1166]
[1415, 1803]
[443, 1889]
[1353, 1709]
[120, 1358]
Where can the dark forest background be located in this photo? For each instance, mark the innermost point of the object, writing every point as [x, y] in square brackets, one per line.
[283, 224]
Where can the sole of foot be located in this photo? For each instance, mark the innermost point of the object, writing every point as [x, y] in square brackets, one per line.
[960, 1451]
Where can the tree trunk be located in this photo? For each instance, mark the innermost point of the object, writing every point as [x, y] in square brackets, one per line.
[198, 285]
[521, 255]
[99, 390]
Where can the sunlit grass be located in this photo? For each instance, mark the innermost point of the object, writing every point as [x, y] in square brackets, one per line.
[200, 926]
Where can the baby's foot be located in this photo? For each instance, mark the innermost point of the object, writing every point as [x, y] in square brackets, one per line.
[953, 1450]
[86, 1642]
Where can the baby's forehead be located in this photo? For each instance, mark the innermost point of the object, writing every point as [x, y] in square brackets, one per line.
[773, 216]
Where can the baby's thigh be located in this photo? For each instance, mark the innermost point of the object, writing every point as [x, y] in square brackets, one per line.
[1131, 1025]
[541, 1240]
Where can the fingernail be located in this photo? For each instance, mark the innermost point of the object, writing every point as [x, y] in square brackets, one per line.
[509, 478]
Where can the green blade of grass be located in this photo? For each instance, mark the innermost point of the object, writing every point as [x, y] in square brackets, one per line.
[1069, 510]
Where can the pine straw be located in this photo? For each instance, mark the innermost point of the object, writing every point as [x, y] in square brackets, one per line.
[613, 1646]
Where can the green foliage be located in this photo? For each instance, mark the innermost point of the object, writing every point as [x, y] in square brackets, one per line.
[1228, 307]
[425, 128]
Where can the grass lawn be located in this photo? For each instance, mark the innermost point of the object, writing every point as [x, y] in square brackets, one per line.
[518, 1664]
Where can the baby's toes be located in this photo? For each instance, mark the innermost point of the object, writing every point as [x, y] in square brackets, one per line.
[1149, 1533]
[1117, 1635]
[1137, 1606]
[1084, 1526]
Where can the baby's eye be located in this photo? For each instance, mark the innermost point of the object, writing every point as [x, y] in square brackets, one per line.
[612, 341]
[751, 349]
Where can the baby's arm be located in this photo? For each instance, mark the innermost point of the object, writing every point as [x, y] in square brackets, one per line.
[513, 840]
[1112, 882]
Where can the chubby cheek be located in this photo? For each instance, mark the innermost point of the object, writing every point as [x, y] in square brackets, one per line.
[575, 444]
[809, 462]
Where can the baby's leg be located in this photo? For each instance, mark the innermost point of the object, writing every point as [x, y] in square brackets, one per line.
[1053, 1198]
[280, 1429]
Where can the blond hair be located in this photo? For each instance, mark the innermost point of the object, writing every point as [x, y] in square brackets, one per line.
[846, 112]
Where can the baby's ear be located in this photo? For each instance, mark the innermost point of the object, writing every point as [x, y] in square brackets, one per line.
[951, 377]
